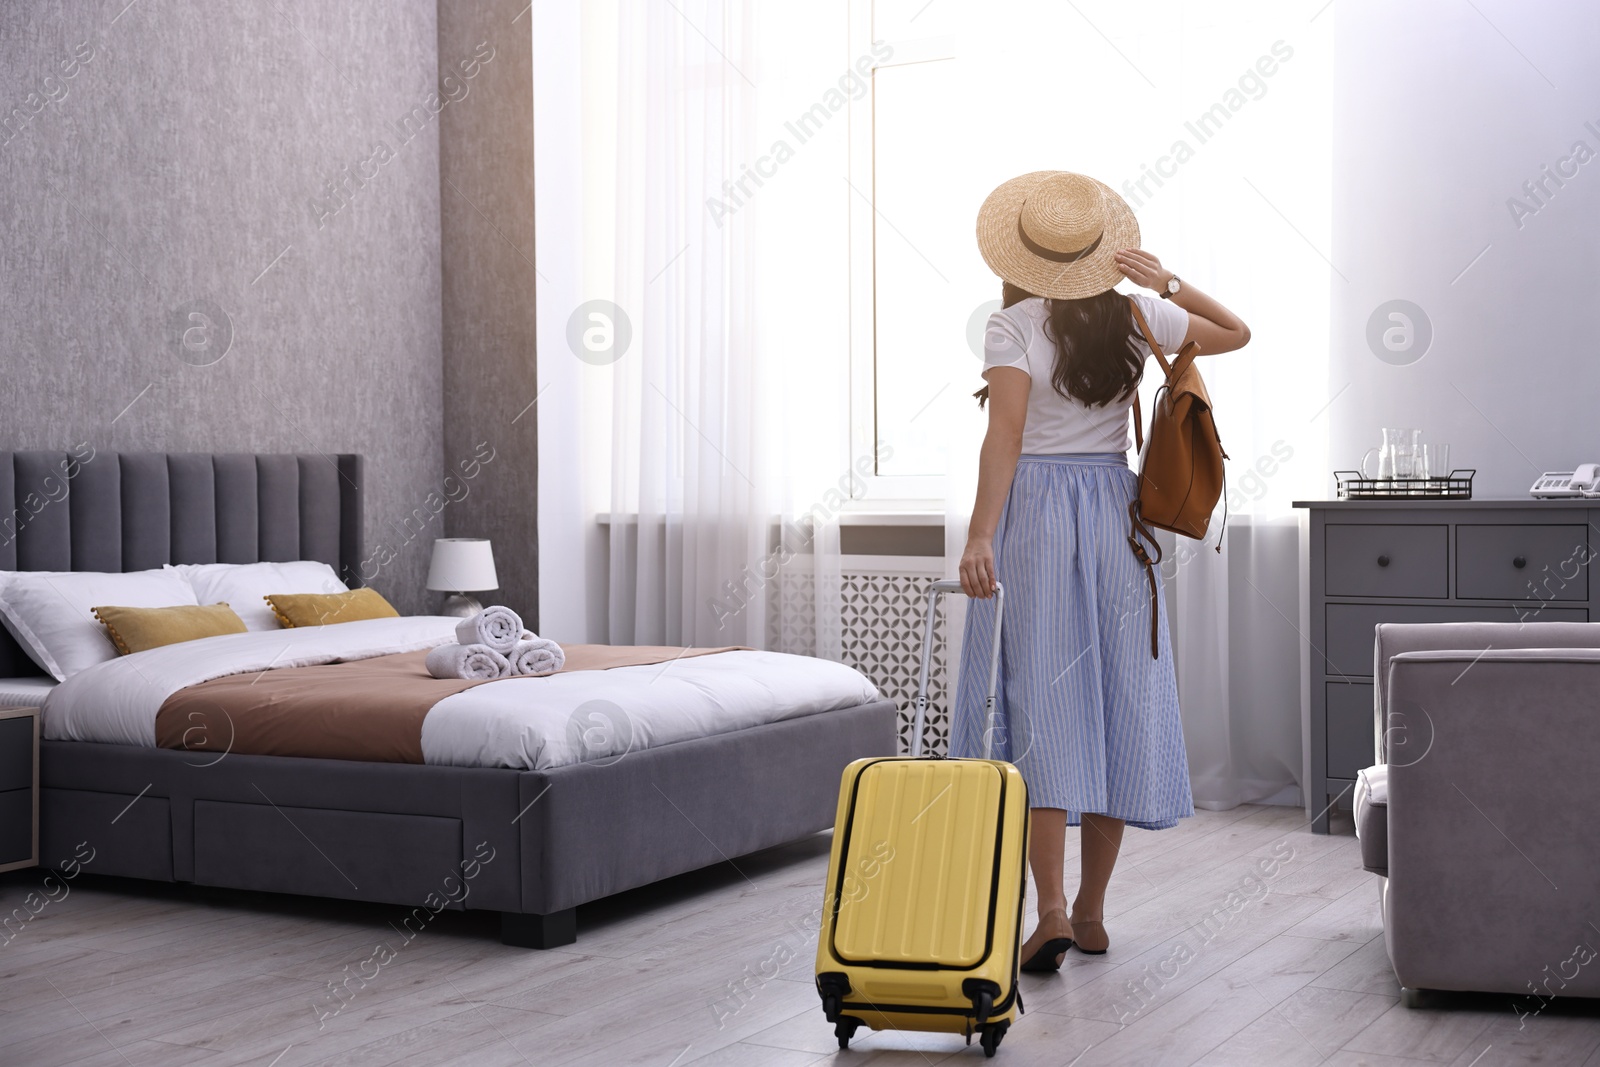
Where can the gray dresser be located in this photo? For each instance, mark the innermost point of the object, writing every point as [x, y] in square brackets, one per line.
[1369, 561]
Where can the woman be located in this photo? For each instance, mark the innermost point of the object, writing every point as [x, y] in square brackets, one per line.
[1084, 712]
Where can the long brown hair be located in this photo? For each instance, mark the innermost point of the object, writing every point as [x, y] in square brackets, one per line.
[1096, 361]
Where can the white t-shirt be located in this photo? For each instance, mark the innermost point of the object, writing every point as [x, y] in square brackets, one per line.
[1016, 337]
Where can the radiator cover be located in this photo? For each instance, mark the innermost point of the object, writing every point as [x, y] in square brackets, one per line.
[882, 601]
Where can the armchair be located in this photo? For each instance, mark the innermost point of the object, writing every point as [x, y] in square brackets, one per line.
[1489, 838]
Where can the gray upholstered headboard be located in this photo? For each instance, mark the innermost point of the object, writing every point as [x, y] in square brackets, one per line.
[127, 511]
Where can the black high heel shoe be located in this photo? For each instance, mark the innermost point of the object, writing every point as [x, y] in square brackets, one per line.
[1044, 961]
[1098, 941]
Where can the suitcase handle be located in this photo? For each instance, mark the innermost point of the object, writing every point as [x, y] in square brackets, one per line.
[920, 703]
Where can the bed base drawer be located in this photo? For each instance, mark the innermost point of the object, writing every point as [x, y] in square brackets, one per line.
[319, 852]
[127, 834]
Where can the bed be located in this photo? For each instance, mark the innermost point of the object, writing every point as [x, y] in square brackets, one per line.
[532, 840]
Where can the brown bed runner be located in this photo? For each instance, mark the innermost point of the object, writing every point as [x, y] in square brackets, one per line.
[366, 709]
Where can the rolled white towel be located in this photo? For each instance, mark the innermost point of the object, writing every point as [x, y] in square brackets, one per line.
[498, 627]
[474, 663]
[535, 655]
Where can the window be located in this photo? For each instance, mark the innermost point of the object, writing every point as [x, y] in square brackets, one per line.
[909, 231]
[1212, 121]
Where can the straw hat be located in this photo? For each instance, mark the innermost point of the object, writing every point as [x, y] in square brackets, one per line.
[1055, 233]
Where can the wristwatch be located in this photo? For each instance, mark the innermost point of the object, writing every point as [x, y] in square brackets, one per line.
[1172, 288]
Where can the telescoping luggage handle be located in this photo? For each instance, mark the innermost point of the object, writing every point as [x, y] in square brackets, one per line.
[920, 704]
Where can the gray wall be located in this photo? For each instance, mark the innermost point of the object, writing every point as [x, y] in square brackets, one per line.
[486, 205]
[1441, 113]
[270, 172]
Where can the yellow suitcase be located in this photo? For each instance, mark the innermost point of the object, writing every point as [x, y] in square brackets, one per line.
[922, 912]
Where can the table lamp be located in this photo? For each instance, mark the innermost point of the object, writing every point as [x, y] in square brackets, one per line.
[462, 565]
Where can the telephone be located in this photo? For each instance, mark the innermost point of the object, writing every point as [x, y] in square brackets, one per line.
[1583, 482]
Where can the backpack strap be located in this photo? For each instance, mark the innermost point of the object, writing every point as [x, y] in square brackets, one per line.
[1150, 338]
[1137, 528]
[1173, 370]
[1186, 354]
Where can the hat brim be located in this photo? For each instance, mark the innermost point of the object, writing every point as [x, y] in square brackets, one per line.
[1001, 245]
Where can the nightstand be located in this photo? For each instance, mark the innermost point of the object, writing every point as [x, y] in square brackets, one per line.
[19, 788]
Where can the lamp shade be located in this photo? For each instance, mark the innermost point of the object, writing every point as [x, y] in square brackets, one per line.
[462, 564]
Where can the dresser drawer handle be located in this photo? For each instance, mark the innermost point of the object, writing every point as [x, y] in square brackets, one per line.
[1519, 562]
[1383, 561]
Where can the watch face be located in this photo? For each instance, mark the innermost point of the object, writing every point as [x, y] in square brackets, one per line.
[1172, 284]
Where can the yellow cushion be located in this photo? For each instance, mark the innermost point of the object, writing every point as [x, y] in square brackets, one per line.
[324, 609]
[136, 629]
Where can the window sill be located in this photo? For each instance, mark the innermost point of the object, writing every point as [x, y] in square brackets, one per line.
[915, 513]
[875, 515]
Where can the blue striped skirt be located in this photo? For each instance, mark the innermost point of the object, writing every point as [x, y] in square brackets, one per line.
[1084, 712]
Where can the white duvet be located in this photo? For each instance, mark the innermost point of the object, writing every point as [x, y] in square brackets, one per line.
[525, 723]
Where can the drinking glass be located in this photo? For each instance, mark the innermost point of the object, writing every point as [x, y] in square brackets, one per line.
[1436, 464]
[1406, 447]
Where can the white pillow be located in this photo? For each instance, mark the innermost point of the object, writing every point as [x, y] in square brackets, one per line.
[48, 611]
[242, 586]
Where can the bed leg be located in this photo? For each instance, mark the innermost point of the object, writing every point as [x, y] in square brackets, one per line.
[539, 931]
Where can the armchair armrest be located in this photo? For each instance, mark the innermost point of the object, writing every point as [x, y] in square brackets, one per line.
[1396, 638]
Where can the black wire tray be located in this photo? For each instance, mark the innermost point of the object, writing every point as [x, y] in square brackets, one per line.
[1457, 485]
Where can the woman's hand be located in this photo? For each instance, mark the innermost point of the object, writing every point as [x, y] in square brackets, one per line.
[1143, 269]
[977, 569]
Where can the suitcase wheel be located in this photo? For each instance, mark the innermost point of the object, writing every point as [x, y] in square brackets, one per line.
[991, 1037]
[845, 1029]
[833, 987]
[982, 1005]
[982, 994]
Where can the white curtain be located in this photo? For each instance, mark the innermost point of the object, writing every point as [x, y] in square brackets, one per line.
[685, 500]
[1242, 212]
[727, 417]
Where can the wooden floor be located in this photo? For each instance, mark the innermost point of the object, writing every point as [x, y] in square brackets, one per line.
[715, 969]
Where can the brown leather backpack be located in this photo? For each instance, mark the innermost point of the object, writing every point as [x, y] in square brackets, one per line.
[1181, 475]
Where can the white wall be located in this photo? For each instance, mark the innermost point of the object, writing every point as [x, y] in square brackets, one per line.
[1442, 111]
